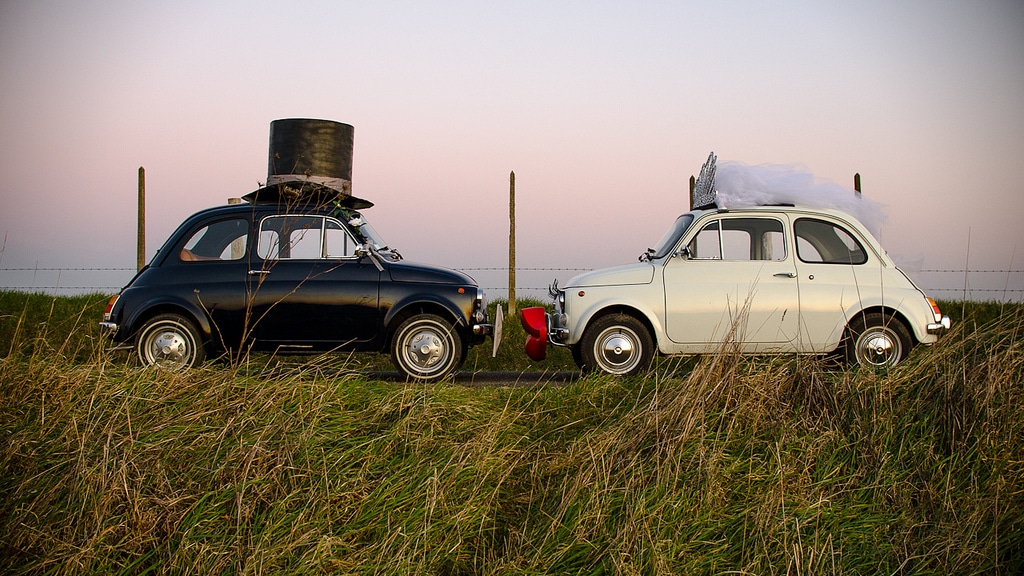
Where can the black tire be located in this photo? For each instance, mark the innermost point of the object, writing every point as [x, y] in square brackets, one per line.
[877, 340]
[427, 347]
[171, 342]
[617, 344]
[577, 354]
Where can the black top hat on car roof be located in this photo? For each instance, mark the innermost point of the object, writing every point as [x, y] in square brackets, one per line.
[310, 163]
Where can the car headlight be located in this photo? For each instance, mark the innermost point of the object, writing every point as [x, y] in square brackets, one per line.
[480, 307]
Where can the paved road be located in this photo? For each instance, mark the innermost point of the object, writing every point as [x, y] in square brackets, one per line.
[494, 378]
[464, 378]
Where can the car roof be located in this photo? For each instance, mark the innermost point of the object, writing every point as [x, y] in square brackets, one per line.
[836, 213]
[269, 208]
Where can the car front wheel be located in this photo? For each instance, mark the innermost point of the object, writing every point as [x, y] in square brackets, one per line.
[170, 341]
[877, 341]
[617, 344]
[426, 347]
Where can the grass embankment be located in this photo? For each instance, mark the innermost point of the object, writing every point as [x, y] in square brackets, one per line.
[745, 465]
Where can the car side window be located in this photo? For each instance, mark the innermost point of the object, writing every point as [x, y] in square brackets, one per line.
[338, 243]
[740, 239]
[304, 238]
[818, 241]
[707, 244]
[224, 240]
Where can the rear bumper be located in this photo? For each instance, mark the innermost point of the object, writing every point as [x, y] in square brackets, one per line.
[108, 329]
[941, 327]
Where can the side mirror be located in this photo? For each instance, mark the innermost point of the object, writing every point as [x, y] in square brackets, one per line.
[685, 253]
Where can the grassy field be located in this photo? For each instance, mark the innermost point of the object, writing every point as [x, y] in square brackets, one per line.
[718, 464]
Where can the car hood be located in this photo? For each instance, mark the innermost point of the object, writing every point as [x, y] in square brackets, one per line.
[640, 273]
[427, 274]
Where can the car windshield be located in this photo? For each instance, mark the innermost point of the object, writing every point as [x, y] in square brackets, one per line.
[373, 238]
[671, 238]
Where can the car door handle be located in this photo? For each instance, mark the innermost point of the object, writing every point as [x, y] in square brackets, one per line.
[258, 272]
[785, 275]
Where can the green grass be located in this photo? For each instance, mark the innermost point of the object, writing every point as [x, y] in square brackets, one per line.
[728, 465]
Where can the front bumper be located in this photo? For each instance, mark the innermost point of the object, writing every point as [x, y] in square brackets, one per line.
[478, 322]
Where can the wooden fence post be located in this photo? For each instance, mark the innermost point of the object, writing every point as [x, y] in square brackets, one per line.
[512, 243]
[238, 244]
[140, 254]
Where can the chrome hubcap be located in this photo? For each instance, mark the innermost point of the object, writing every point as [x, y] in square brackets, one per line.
[616, 350]
[425, 348]
[169, 346]
[878, 348]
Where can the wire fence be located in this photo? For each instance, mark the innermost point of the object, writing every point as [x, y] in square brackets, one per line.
[1005, 285]
[66, 280]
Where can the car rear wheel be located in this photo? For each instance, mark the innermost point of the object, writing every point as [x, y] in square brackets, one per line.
[426, 347]
[617, 344]
[877, 340]
[170, 341]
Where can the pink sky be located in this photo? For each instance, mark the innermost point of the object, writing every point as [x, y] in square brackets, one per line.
[603, 110]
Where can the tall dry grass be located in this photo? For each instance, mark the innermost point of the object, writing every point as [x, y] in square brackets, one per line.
[717, 465]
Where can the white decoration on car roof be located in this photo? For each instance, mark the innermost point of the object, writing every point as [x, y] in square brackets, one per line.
[742, 186]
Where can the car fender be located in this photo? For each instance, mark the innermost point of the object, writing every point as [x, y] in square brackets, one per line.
[910, 306]
[163, 304]
[646, 302]
[405, 306]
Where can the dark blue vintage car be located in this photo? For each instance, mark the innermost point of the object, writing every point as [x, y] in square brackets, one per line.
[294, 277]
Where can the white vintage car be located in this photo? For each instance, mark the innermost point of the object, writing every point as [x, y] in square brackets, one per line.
[764, 280]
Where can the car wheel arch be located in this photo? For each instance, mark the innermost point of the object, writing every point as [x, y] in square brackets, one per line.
[891, 314]
[146, 313]
[877, 339]
[628, 311]
[399, 314]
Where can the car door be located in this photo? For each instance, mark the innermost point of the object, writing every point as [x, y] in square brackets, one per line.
[211, 267]
[310, 290]
[835, 272]
[735, 280]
